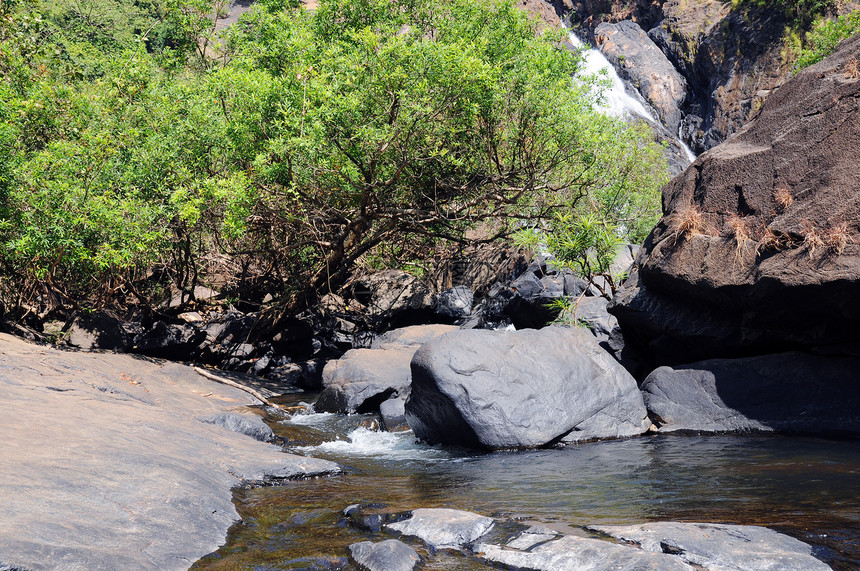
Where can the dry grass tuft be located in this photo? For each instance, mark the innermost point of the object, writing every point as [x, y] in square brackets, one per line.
[852, 68]
[836, 238]
[738, 230]
[812, 239]
[783, 198]
[687, 221]
[770, 241]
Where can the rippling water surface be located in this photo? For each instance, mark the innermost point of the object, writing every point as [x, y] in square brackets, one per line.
[807, 488]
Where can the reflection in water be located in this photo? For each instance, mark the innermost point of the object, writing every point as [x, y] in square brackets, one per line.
[808, 488]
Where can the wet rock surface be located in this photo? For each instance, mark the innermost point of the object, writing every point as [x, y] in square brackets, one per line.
[388, 555]
[520, 389]
[442, 528]
[720, 546]
[105, 467]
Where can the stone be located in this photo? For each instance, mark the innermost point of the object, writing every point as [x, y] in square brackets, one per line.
[532, 536]
[521, 389]
[455, 302]
[572, 553]
[393, 415]
[394, 297]
[788, 392]
[591, 312]
[739, 263]
[134, 482]
[442, 528]
[363, 378]
[100, 331]
[249, 425]
[177, 342]
[200, 293]
[388, 555]
[719, 546]
[638, 60]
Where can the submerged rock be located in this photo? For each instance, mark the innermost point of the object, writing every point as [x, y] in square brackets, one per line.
[247, 424]
[388, 555]
[443, 528]
[789, 392]
[521, 389]
[719, 546]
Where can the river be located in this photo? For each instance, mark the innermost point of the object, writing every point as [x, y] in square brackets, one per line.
[805, 487]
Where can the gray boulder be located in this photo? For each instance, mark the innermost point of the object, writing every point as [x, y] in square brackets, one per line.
[391, 295]
[393, 415]
[443, 528]
[388, 555]
[247, 424]
[364, 378]
[591, 312]
[717, 546]
[788, 392]
[521, 389]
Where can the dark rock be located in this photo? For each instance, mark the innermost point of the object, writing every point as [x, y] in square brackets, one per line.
[455, 302]
[388, 555]
[176, 342]
[719, 546]
[751, 274]
[413, 336]
[574, 285]
[638, 60]
[516, 389]
[789, 392]
[249, 425]
[443, 528]
[101, 331]
[591, 312]
[394, 298]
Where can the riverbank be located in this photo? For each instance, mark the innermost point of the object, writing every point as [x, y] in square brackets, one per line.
[119, 462]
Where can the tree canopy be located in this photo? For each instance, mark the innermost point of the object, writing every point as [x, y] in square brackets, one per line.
[140, 147]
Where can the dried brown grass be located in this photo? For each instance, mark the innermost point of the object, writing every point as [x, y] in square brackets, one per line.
[738, 229]
[687, 221]
[852, 68]
[812, 239]
[836, 238]
[783, 198]
[770, 241]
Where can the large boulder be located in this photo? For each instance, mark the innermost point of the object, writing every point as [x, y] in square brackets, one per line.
[759, 248]
[362, 379]
[788, 392]
[638, 60]
[520, 389]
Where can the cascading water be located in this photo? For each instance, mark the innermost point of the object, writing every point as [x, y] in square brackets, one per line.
[616, 99]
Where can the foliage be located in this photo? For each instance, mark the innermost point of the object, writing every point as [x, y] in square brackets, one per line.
[825, 36]
[799, 14]
[369, 129]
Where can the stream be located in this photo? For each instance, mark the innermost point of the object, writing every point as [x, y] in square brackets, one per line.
[805, 487]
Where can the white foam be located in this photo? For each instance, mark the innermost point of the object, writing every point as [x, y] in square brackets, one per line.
[368, 443]
[310, 418]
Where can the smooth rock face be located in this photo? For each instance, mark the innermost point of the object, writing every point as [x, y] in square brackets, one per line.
[388, 555]
[455, 302]
[788, 392]
[247, 424]
[753, 272]
[572, 553]
[638, 60]
[519, 389]
[718, 546]
[443, 528]
[364, 378]
[104, 466]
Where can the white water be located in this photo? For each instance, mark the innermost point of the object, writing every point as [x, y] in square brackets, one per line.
[616, 100]
[363, 442]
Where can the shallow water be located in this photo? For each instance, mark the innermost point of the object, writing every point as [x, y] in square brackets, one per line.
[807, 488]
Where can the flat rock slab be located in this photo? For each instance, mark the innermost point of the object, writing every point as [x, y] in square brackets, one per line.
[720, 547]
[104, 465]
[521, 389]
[443, 528]
[388, 555]
[572, 553]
